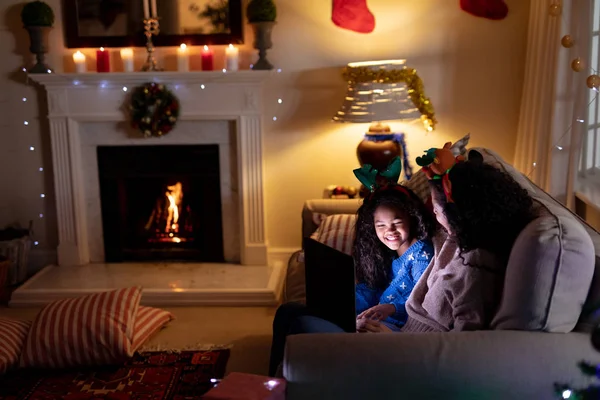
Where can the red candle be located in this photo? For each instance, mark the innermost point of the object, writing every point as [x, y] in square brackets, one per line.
[207, 59]
[102, 60]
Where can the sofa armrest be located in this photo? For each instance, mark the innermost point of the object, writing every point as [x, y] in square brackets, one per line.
[458, 365]
[314, 208]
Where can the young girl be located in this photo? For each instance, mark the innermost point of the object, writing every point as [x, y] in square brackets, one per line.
[392, 249]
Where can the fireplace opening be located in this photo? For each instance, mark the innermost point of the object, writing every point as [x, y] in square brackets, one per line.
[161, 203]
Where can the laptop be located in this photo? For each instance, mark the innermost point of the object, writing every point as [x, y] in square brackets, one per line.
[330, 284]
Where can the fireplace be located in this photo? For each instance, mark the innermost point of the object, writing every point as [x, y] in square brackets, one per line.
[161, 203]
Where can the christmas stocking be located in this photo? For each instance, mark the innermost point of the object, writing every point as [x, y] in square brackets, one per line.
[353, 15]
[491, 9]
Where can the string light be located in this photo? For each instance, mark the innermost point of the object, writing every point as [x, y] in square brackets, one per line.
[124, 88]
[41, 169]
[42, 195]
[202, 87]
[274, 118]
[279, 101]
[25, 122]
[41, 215]
[31, 148]
[24, 99]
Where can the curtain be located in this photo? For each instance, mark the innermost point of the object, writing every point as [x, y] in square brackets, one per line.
[553, 105]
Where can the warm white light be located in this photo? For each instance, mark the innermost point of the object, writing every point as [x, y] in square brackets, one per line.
[375, 63]
[202, 87]
[274, 118]
[31, 148]
[279, 101]
[212, 380]
[41, 169]
[205, 48]
[24, 98]
[224, 70]
[124, 88]
[24, 69]
[183, 46]
[49, 71]
[101, 48]
[559, 147]
[25, 123]
[42, 195]
[534, 164]
[579, 120]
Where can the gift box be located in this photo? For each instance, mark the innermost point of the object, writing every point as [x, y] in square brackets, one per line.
[238, 386]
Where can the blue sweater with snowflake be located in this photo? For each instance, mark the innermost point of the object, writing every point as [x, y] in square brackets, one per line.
[406, 271]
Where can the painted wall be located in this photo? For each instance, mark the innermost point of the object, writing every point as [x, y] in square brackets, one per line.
[472, 69]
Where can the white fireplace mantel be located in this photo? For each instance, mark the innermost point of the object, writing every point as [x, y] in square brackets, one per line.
[74, 99]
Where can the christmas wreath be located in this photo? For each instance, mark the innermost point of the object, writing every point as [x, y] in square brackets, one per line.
[153, 109]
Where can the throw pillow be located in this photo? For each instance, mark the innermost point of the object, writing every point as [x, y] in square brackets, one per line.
[148, 321]
[337, 231]
[91, 330]
[12, 338]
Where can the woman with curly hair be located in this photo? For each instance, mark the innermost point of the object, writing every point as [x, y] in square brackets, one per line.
[482, 210]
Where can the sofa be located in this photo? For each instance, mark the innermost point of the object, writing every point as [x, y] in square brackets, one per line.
[538, 335]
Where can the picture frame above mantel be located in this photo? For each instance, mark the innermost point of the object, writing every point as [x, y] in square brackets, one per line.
[119, 23]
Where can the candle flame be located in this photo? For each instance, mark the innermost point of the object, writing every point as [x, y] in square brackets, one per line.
[205, 47]
[183, 46]
[101, 48]
[231, 46]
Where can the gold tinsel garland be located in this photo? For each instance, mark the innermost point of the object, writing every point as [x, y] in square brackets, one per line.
[406, 75]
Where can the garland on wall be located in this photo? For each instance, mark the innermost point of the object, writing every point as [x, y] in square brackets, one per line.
[409, 76]
[153, 109]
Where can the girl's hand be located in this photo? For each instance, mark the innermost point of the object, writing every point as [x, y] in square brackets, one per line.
[365, 325]
[379, 312]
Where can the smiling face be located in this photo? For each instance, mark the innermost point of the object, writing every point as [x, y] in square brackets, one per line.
[393, 228]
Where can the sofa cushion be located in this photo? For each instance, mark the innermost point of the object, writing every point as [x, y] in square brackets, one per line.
[12, 338]
[550, 269]
[337, 231]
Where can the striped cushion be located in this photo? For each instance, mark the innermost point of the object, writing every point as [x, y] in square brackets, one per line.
[148, 321]
[337, 231]
[12, 339]
[90, 330]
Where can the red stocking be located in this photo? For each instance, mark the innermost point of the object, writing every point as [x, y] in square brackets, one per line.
[491, 9]
[353, 15]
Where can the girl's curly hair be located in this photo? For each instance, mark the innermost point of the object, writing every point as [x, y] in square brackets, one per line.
[490, 208]
[372, 258]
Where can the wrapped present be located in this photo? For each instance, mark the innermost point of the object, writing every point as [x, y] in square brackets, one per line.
[238, 386]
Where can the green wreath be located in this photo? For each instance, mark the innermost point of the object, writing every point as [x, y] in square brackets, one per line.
[153, 109]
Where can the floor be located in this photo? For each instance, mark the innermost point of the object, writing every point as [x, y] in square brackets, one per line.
[246, 329]
[165, 284]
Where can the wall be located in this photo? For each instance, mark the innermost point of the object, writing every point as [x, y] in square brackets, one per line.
[472, 69]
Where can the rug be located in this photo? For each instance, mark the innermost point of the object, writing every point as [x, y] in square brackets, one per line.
[147, 376]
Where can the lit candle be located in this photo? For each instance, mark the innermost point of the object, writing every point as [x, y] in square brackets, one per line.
[183, 64]
[102, 60]
[146, 9]
[79, 59]
[127, 58]
[207, 59]
[154, 15]
[231, 58]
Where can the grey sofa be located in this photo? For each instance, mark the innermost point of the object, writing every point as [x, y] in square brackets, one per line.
[539, 336]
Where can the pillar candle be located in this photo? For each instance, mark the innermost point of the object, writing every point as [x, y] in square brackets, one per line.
[79, 59]
[231, 58]
[207, 59]
[127, 58]
[183, 59]
[146, 9]
[102, 60]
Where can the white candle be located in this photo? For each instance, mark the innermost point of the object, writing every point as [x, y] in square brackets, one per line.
[231, 58]
[146, 9]
[79, 59]
[154, 15]
[183, 57]
[127, 58]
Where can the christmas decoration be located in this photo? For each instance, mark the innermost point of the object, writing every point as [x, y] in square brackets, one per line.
[555, 9]
[593, 81]
[153, 109]
[353, 15]
[490, 9]
[567, 41]
[577, 64]
[406, 75]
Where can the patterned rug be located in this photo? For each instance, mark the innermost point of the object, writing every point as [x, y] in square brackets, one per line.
[147, 376]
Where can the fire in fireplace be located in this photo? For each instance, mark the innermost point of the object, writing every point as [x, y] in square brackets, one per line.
[161, 203]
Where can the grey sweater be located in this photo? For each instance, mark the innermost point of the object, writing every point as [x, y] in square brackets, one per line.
[452, 296]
